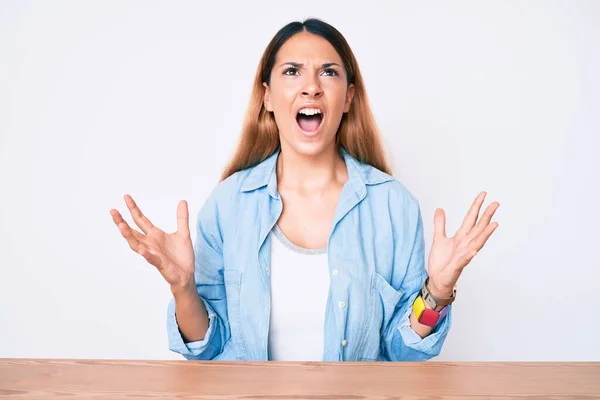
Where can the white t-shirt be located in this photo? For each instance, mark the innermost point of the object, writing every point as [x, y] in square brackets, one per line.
[299, 290]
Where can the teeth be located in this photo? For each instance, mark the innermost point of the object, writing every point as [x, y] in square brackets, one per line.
[309, 111]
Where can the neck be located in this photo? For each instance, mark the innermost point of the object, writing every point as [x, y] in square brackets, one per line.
[310, 172]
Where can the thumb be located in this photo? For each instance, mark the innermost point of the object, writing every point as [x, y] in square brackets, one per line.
[439, 224]
[183, 217]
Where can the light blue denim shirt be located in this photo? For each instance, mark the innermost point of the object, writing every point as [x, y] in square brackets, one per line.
[376, 247]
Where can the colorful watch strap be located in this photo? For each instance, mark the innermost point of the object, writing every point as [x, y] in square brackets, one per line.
[428, 316]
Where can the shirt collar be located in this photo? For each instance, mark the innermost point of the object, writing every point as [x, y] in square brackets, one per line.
[359, 174]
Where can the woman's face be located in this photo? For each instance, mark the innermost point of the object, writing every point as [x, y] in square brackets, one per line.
[308, 93]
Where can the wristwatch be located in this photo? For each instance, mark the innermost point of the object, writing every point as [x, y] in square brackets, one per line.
[436, 302]
[431, 316]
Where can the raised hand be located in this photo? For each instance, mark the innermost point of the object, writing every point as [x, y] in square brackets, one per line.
[171, 253]
[449, 256]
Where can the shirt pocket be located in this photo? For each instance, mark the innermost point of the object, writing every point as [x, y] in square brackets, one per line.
[383, 301]
[387, 297]
[233, 286]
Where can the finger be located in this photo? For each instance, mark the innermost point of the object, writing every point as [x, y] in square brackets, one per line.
[139, 218]
[439, 224]
[151, 257]
[183, 218]
[118, 219]
[466, 259]
[133, 237]
[473, 213]
[484, 220]
[481, 240]
[116, 216]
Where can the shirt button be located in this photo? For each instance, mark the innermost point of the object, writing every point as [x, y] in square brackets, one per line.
[344, 343]
[342, 304]
[336, 272]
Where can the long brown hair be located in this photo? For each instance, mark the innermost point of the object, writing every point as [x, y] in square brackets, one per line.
[357, 133]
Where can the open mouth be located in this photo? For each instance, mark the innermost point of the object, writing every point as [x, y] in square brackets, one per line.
[309, 120]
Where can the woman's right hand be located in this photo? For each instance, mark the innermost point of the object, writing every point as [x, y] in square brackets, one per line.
[171, 253]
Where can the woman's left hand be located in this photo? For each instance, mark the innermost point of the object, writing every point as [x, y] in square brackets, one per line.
[449, 256]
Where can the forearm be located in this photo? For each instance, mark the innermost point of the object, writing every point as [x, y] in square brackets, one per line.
[191, 314]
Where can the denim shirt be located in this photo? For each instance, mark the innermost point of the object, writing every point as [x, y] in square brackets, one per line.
[375, 247]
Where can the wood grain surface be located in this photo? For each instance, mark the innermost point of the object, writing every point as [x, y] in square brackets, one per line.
[133, 379]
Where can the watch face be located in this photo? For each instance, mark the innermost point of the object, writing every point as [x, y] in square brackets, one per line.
[430, 301]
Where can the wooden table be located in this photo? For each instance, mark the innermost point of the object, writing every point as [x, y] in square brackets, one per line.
[128, 379]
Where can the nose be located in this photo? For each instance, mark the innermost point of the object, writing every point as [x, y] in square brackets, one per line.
[312, 88]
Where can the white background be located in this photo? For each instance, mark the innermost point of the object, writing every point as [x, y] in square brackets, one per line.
[103, 98]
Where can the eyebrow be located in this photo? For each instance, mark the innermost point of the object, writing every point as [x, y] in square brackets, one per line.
[299, 65]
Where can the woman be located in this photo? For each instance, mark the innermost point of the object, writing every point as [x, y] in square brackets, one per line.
[308, 248]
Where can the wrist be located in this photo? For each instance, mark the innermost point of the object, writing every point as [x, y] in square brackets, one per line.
[442, 293]
[185, 290]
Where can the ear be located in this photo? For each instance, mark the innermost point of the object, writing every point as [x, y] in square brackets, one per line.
[267, 98]
[349, 97]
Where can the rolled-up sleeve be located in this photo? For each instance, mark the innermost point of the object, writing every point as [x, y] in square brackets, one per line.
[205, 349]
[402, 343]
[208, 252]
